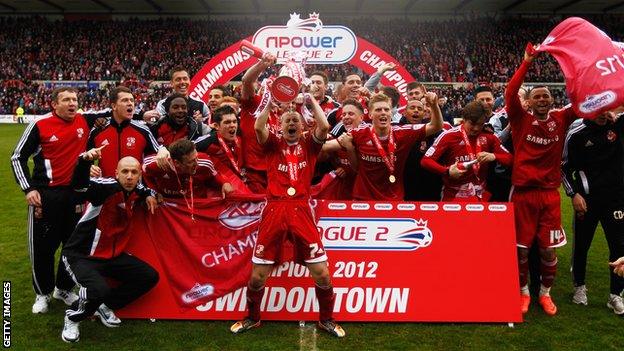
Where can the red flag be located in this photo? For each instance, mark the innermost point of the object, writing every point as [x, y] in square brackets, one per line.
[214, 250]
[592, 64]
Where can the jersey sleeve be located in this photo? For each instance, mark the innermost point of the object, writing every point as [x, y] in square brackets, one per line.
[431, 159]
[204, 142]
[514, 107]
[569, 165]
[92, 117]
[502, 154]
[27, 145]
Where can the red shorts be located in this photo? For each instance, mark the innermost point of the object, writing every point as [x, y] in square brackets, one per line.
[538, 213]
[291, 220]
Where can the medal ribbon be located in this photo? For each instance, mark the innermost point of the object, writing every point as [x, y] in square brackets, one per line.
[191, 205]
[292, 161]
[389, 157]
[228, 152]
[472, 153]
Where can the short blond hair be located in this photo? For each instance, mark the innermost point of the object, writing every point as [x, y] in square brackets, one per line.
[378, 98]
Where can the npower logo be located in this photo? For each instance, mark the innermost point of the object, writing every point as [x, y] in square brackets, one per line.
[596, 102]
[197, 292]
[321, 44]
[400, 234]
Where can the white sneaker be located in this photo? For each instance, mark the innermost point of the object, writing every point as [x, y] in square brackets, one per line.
[41, 304]
[71, 332]
[107, 316]
[580, 295]
[616, 304]
[68, 297]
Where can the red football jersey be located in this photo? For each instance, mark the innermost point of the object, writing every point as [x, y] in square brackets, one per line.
[538, 145]
[283, 160]
[206, 181]
[232, 174]
[450, 147]
[372, 181]
[253, 154]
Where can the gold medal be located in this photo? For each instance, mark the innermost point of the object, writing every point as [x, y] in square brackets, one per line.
[392, 178]
[291, 191]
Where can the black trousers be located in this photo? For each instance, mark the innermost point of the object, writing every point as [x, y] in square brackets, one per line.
[48, 228]
[609, 211]
[134, 276]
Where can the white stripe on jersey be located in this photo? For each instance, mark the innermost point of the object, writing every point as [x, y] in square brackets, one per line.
[19, 172]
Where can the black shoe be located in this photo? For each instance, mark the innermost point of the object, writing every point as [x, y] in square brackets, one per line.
[244, 325]
[332, 328]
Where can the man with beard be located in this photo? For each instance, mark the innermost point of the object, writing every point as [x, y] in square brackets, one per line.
[291, 157]
[177, 124]
[536, 177]
[461, 156]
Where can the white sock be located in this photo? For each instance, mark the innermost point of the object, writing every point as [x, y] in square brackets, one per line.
[544, 291]
[525, 290]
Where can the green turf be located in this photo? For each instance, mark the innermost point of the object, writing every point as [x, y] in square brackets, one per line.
[574, 328]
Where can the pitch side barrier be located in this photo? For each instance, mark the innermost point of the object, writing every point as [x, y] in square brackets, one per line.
[390, 261]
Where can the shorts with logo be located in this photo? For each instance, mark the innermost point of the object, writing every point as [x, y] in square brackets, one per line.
[538, 213]
[291, 220]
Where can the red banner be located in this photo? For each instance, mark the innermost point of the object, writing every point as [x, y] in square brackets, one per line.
[368, 57]
[592, 64]
[389, 262]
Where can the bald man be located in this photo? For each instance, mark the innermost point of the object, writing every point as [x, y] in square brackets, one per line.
[95, 250]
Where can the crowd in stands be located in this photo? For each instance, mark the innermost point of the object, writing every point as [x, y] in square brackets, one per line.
[481, 50]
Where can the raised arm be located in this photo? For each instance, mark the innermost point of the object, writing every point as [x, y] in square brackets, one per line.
[252, 74]
[322, 126]
[262, 132]
[374, 80]
[436, 122]
[514, 106]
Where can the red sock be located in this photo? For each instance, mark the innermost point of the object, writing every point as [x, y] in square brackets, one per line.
[548, 270]
[254, 299]
[523, 269]
[326, 299]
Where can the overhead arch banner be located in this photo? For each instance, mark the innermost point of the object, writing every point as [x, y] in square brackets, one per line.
[322, 44]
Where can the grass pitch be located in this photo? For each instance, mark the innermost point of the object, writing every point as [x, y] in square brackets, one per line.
[592, 327]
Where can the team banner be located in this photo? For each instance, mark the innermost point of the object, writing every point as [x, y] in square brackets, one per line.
[394, 262]
[319, 43]
[593, 76]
